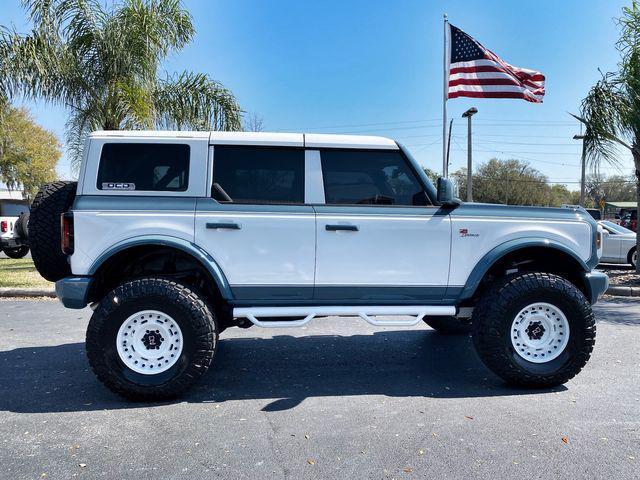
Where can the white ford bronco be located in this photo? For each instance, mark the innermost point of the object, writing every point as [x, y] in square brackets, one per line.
[171, 237]
[14, 218]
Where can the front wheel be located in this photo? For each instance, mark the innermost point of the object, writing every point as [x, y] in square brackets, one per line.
[633, 257]
[17, 252]
[150, 339]
[534, 330]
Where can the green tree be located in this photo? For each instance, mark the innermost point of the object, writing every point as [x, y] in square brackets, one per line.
[509, 182]
[513, 182]
[432, 174]
[102, 62]
[614, 188]
[28, 153]
[611, 110]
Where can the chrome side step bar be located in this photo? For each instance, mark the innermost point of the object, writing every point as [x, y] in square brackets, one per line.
[364, 312]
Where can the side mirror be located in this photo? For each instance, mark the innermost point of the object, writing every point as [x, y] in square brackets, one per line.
[445, 192]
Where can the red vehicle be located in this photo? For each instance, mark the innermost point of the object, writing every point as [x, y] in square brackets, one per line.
[630, 220]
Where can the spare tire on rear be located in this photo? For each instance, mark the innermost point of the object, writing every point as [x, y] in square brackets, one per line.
[52, 200]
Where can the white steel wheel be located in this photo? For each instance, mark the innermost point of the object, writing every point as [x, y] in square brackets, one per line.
[149, 342]
[540, 332]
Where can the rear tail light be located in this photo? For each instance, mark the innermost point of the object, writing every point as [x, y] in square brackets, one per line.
[66, 228]
[4, 227]
[598, 239]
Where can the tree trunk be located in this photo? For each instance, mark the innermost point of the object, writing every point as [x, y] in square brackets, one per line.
[636, 162]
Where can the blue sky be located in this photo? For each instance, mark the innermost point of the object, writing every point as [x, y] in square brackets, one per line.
[375, 67]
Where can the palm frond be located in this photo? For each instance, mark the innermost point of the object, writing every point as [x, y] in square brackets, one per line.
[194, 101]
[605, 113]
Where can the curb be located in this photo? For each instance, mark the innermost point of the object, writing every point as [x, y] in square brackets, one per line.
[27, 292]
[623, 291]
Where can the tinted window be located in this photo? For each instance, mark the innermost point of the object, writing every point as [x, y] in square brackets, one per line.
[144, 166]
[258, 175]
[370, 177]
[13, 209]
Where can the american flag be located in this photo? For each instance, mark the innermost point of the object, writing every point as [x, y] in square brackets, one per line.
[475, 71]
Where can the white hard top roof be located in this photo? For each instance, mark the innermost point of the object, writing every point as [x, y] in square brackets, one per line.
[310, 140]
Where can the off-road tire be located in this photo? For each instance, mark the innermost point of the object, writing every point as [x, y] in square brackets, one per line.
[630, 257]
[186, 307]
[17, 252]
[22, 226]
[449, 325]
[492, 322]
[52, 200]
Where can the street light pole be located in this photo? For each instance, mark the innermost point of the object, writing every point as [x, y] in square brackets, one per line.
[583, 175]
[468, 114]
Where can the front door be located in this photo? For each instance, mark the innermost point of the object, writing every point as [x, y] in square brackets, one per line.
[256, 225]
[378, 238]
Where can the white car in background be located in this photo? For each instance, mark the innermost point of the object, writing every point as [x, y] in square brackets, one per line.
[619, 244]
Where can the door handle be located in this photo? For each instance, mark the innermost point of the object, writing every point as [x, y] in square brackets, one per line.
[347, 228]
[223, 225]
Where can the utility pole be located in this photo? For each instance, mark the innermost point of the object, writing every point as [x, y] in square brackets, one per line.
[468, 114]
[449, 143]
[583, 176]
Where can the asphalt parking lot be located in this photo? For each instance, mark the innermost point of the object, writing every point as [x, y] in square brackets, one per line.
[336, 399]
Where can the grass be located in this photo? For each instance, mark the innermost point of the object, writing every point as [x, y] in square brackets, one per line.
[21, 273]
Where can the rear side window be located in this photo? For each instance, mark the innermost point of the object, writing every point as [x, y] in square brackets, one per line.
[258, 175]
[154, 167]
[375, 177]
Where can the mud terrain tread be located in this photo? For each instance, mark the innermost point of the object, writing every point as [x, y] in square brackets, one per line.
[488, 333]
[52, 200]
[200, 317]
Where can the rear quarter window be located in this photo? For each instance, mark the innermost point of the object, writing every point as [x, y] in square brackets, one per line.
[151, 167]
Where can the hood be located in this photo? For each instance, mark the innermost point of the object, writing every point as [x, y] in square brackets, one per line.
[511, 211]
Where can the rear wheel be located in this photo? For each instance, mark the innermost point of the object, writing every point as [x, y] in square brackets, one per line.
[150, 339]
[632, 258]
[17, 252]
[534, 330]
[450, 325]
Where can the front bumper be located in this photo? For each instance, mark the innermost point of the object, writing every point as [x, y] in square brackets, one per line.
[597, 283]
[73, 291]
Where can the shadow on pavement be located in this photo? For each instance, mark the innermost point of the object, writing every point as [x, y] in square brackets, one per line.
[285, 368]
[616, 311]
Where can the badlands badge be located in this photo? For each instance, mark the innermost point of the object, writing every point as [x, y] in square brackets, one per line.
[464, 232]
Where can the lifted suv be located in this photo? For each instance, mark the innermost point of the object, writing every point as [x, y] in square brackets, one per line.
[173, 237]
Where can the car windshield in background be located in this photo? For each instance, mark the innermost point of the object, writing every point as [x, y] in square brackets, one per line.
[13, 209]
[617, 228]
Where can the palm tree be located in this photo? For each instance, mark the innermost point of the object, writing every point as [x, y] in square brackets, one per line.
[103, 65]
[611, 110]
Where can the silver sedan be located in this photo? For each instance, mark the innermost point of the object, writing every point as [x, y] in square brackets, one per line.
[619, 244]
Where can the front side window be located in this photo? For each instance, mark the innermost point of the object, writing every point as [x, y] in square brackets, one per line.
[376, 177]
[258, 174]
[155, 167]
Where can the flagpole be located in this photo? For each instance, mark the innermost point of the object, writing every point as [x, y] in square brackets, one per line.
[445, 86]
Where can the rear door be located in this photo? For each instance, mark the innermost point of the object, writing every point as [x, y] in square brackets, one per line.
[379, 239]
[256, 224]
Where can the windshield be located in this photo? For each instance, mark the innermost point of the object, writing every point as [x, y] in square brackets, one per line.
[616, 228]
